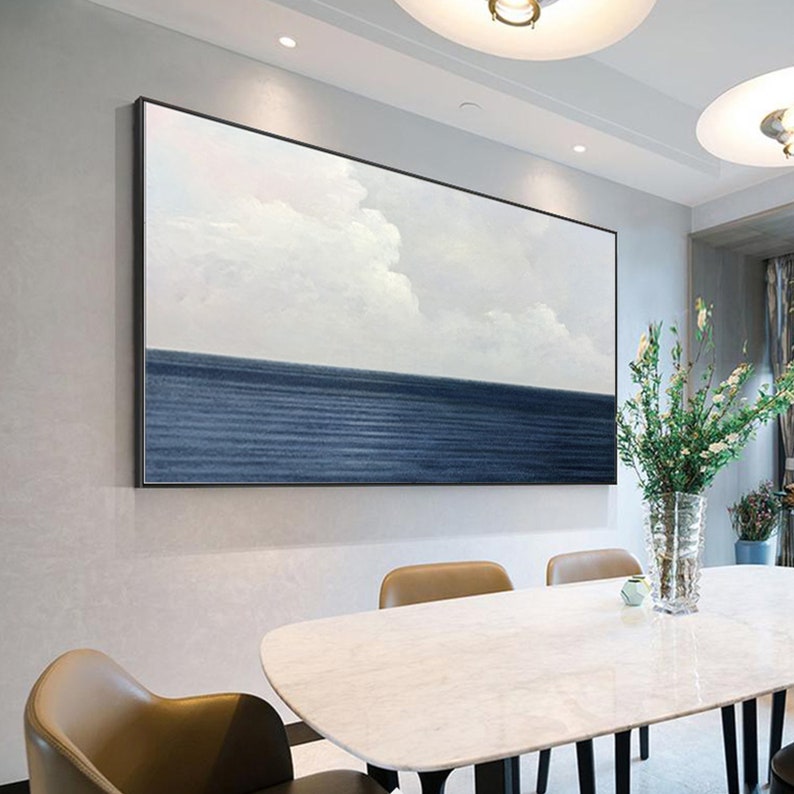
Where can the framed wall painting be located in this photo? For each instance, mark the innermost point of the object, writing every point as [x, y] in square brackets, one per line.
[306, 317]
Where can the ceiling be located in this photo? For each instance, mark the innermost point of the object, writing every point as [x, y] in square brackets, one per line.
[634, 105]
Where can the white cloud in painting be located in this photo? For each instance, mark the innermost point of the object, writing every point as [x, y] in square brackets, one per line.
[261, 249]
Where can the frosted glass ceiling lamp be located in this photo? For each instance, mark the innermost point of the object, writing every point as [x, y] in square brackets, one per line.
[531, 30]
[753, 122]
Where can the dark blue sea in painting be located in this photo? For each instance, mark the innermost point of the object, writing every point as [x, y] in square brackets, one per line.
[215, 419]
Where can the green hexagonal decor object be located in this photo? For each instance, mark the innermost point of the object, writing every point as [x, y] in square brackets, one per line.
[634, 591]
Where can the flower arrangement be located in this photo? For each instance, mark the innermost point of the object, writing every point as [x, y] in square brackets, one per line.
[755, 515]
[677, 438]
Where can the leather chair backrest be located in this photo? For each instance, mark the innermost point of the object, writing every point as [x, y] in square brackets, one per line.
[415, 584]
[90, 727]
[584, 566]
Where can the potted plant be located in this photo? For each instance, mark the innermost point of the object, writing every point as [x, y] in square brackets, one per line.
[676, 433]
[755, 519]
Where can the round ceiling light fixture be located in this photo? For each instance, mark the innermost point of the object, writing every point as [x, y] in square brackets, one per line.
[753, 122]
[531, 30]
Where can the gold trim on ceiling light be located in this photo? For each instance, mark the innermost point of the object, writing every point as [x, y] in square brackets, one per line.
[529, 8]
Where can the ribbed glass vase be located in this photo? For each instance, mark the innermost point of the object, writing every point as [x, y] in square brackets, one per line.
[675, 536]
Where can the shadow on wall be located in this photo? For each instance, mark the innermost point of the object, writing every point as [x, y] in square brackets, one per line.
[207, 520]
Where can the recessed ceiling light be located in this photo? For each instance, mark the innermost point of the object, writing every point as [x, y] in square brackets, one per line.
[752, 123]
[580, 148]
[469, 107]
[531, 30]
[288, 42]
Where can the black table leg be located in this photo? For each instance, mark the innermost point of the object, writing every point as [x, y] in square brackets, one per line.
[776, 726]
[498, 777]
[645, 742]
[585, 763]
[623, 762]
[750, 743]
[386, 777]
[543, 771]
[433, 782]
[729, 743]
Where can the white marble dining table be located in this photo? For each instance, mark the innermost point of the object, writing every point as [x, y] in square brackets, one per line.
[436, 686]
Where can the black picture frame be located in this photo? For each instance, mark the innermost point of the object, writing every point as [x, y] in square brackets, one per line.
[205, 417]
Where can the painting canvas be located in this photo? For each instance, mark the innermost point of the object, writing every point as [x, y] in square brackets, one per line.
[311, 318]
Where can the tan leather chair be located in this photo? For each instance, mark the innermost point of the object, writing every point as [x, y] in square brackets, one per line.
[781, 766]
[415, 584]
[91, 728]
[439, 581]
[584, 566]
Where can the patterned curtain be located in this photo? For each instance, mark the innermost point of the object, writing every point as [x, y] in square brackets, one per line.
[780, 302]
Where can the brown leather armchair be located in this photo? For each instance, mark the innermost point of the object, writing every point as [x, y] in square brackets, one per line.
[415, 584]
[584, 566]
[781, 771]
[90, 728]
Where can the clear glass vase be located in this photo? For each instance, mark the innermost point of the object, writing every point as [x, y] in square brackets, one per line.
[675, 536]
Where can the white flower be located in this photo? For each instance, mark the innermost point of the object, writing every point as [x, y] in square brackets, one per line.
[703, 315]
[643, 346]
[733, 378]
[718, 446]
[684, 451]
[732, 438]
[718, 398]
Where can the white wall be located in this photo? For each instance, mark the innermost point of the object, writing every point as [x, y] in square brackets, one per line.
[179, 585]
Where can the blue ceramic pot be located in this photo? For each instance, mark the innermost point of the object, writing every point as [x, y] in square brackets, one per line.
[755, 552]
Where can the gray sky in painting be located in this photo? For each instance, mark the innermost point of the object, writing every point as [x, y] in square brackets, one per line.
[263, 249]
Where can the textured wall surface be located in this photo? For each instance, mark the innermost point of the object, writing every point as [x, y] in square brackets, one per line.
[179, 585]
